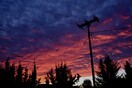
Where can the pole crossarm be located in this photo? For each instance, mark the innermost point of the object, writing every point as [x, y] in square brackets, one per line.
[88, 23]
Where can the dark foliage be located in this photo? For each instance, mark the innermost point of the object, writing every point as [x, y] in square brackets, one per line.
[107, 75]
[128, 76]
[61, 77]
[87, 84]
[14, 77]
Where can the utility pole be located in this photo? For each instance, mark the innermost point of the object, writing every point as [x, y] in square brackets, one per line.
[88, 24]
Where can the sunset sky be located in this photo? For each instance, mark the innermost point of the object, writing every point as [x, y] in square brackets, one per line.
[46, 30]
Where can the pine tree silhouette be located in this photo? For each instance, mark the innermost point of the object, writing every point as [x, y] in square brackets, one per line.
[25, 78]
[7, 75]
[19, 76]
[107, 74]
[34, 76]
[128, 76]
[10, 77]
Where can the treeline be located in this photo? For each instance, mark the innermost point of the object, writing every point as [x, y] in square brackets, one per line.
[107, 75]
[12, 76]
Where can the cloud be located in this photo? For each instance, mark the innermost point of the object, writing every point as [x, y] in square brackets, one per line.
[107, 21]
[46, 30]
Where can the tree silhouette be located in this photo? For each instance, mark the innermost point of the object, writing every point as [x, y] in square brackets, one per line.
[128, 76]
[47, 80]
[62, 77]
[50, 76]
[107, 74]
[34, 81]
[19, 76]
[7, 75]
[2, 76]
[87, 84]
[10, 77]
[25, 78]
[128, 70]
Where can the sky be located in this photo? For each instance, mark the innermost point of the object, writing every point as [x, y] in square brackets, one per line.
[46, 30]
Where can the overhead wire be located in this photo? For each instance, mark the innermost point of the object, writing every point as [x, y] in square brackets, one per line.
[120, 28]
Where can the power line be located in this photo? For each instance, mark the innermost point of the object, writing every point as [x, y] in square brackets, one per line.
[110, 29]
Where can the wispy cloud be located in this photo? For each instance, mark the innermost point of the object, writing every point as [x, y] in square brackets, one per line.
[46, 30]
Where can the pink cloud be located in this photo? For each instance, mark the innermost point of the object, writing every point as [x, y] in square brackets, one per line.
[116, 51]
[75, 52]
[102, 39]
[123, 17]
[106, 21]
